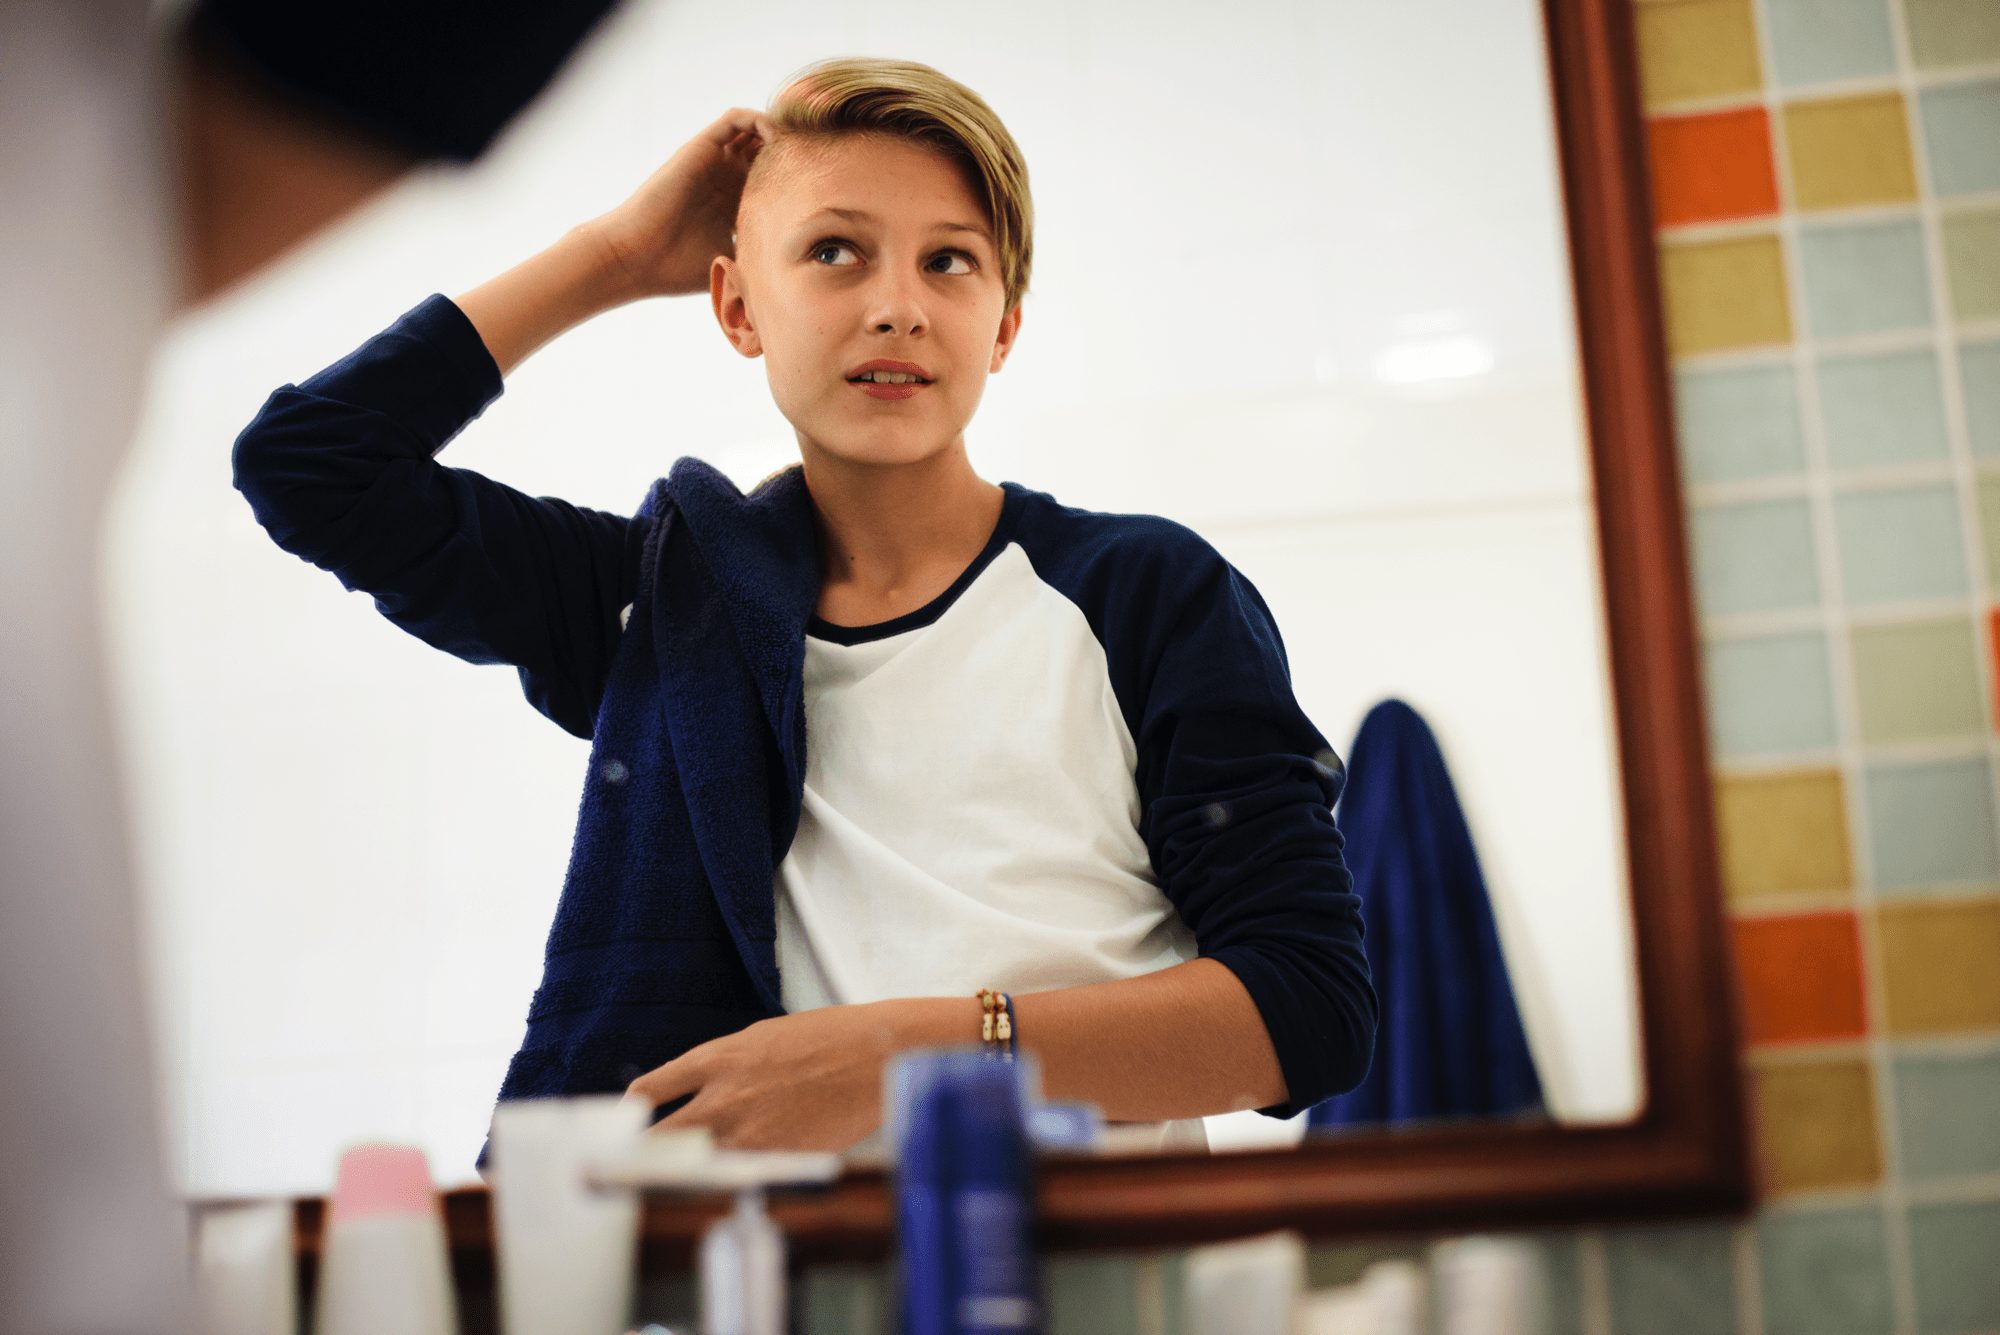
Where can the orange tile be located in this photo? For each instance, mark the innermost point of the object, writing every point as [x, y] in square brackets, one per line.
[1800, 976]
[1993, 641]
[1708, 168]
[1816, 1124]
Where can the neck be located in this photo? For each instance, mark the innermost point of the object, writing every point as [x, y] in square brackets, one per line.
[886, 527]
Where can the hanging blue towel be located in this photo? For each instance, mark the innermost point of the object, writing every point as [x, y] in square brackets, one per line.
[1450, 1043]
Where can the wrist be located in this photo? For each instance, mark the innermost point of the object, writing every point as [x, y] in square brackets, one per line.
[616, 277]
[933, 1022]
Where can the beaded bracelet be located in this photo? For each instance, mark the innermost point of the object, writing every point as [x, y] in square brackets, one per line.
[996, 1024]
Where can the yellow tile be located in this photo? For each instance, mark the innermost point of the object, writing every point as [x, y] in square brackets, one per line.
[1724, 294]
[1782, 834]
[1697, 49]
[1816, 1124]
[1941, 965]
[1852, 150]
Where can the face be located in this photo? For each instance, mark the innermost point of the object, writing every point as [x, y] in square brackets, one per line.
[818, 293]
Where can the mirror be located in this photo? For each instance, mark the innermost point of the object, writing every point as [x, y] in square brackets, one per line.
[1301, 283]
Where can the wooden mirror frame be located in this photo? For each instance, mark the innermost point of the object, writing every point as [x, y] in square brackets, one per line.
[1687, 1152]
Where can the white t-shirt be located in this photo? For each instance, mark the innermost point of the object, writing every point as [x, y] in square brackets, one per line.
[971, 810]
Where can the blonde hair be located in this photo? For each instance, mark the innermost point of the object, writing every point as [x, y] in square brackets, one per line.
[834, 99]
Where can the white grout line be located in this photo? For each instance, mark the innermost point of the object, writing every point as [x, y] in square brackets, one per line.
[1149, 1281]
[1747, 1276]
[1593, 1282]
[1833, 345]
[1828, 90]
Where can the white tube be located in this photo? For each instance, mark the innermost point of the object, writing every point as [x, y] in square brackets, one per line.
[567, 1252]
[246, 1275]
[743, 1272]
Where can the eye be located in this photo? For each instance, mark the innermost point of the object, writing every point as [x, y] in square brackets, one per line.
[836, 243]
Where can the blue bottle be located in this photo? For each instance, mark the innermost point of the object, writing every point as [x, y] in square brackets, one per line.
[964, 1194]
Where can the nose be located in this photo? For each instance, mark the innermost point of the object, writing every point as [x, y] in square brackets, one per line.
[898, 301]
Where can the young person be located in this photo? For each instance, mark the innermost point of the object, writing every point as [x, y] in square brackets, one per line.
[881, 732]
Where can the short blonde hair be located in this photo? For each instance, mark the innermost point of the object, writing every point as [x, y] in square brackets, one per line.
[834, 99]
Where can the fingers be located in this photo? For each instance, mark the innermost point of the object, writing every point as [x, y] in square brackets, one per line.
[663, 1084]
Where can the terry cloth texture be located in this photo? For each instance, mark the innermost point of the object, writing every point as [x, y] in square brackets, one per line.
[1452, 1045]
[664, 932]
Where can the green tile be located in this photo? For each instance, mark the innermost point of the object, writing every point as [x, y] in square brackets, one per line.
[1865, 278]
[1948, 33]
[1563, 1269]
[1818, 41]
[1769, 695]
[1738, 424]
[1825, 1272]
[1972, 263]
[843, 1299]
[1091, 1293]
[1948, 1113]
[1918, 681]
[1952, 1251]
[1962, 131]
[1979, 375]
[1882, 410]
[1931, 823]
[1672, 1280]
[1988, 493]
[1754, 557]
[1900, 543]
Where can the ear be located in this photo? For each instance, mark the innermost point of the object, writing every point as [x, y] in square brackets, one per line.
[1003, 342]
[731, 301]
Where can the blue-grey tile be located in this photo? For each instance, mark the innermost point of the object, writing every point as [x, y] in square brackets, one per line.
[1817, 41]
[1756, 556]
[1955, 1254]
[1563, 1270]
[1091, 1294]
[843, 1300]
[1738, 423]
[1899, 544]
[1962, 131]
[1948, 1113]
[1825, 1272]
[1672, 1280]
[1865, 278]
[1979, 373]
[1883, 409]
[1173, 1283]
[1768, 695]
[1931, 823]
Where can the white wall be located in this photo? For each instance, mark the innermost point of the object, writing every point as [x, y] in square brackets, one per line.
[1299, 283]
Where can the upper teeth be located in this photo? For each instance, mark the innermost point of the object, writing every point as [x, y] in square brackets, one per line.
[889, 377]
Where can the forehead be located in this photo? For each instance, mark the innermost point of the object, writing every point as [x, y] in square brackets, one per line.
[878, 183]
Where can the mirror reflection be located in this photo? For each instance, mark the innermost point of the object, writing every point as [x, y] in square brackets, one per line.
[1226, 581]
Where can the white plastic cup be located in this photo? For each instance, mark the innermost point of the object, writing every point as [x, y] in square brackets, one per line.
[567, 1251]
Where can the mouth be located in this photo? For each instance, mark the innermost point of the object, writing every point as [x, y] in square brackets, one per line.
[903, 391]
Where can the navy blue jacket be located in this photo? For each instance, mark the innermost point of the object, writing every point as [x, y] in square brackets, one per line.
[664, 935]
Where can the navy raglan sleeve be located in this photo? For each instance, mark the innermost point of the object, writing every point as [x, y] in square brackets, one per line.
[1237, 790]
[340, 471]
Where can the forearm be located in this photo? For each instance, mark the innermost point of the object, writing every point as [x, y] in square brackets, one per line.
[546, 295]
[1185, 1041]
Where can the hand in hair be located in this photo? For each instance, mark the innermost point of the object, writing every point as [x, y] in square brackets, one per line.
[669, 232]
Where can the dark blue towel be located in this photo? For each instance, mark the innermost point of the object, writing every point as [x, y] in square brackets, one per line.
[1450, 1043]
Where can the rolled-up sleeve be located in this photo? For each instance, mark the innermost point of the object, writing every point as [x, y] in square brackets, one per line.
[1237, 789]
[340, 471]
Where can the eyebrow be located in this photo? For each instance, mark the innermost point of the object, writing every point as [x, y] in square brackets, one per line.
[858, 215]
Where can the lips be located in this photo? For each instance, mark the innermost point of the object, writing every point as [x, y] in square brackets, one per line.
[894, 367]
